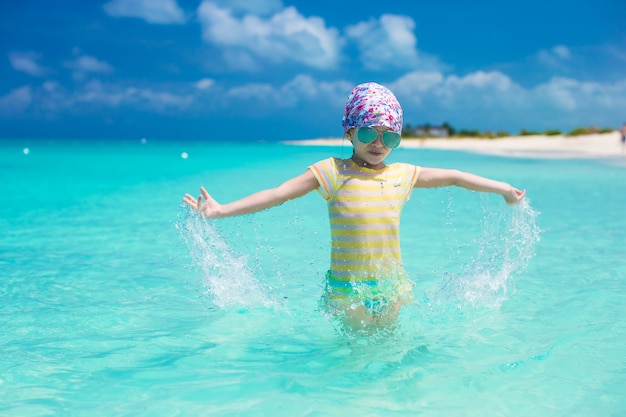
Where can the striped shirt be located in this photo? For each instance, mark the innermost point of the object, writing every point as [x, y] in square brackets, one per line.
[364, 206]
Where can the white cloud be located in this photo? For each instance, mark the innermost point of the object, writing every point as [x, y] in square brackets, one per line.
[163, 100]
[240, 60]
[567, 94]
[52, 98]
[257, 91]
[483, 100]
[152, 11]
[16, 101]
[112, 95]
[491, 100]
[307, 87]
[562, 52]
[283, 37]
[389, 42]
[415, 83]
[555, 57]
[616, 53]
[204, 83]
[559, 92]
[569, 102]
[455, 91]
[300, 89]
[481, 80]
[27, 62]
[256, 7]
[85, 64]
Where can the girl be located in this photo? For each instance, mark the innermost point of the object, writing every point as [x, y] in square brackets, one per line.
[366, 284]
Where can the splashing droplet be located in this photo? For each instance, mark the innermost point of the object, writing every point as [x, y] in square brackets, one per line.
[505, 248]
[226, 276]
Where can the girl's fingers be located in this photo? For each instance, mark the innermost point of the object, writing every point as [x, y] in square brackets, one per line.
[190, 201]
[196, 204]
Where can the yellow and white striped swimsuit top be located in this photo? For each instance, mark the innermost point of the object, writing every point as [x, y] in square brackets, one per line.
[364, 206]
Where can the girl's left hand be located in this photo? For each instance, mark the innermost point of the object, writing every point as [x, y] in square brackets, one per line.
[209, 208]
[515, 196]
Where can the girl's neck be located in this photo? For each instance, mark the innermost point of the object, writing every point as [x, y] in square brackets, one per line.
[360, 162]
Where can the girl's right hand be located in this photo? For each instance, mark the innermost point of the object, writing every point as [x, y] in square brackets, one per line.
[204, 205]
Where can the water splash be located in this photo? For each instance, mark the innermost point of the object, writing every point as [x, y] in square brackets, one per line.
[505, 247]
[227, 279]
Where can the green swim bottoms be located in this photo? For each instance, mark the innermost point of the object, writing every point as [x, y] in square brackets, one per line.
[374, 294]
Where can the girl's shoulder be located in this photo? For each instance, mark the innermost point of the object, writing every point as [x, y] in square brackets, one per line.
[331, 162]
[339, 164]
[403, 166]
[405, 170]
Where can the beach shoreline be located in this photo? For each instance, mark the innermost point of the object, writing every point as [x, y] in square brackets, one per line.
[605, 145]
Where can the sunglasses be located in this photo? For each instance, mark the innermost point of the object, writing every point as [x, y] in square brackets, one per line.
[369, 135]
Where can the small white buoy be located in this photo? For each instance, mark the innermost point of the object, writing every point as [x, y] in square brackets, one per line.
[26, 151]
[184, 155]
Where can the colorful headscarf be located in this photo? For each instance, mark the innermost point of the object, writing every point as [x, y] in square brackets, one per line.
[371, 104]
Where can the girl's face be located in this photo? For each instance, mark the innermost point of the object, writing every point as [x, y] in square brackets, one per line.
[373, 153]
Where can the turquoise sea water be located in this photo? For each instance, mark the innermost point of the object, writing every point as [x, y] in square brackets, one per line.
[115, 301]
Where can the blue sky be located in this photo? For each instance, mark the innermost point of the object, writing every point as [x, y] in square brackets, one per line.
[274, 70]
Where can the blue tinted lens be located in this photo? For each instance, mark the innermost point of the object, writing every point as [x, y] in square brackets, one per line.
[391, 139]
[366, 134]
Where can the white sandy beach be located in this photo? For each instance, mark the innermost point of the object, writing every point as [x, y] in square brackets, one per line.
[607, 145]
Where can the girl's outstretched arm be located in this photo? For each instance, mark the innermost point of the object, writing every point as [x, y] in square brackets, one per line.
[435, 177]
[296, 187]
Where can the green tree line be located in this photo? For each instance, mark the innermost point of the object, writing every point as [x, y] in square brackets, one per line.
[409, 131]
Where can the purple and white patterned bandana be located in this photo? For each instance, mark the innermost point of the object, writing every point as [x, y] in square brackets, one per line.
[371, 104]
